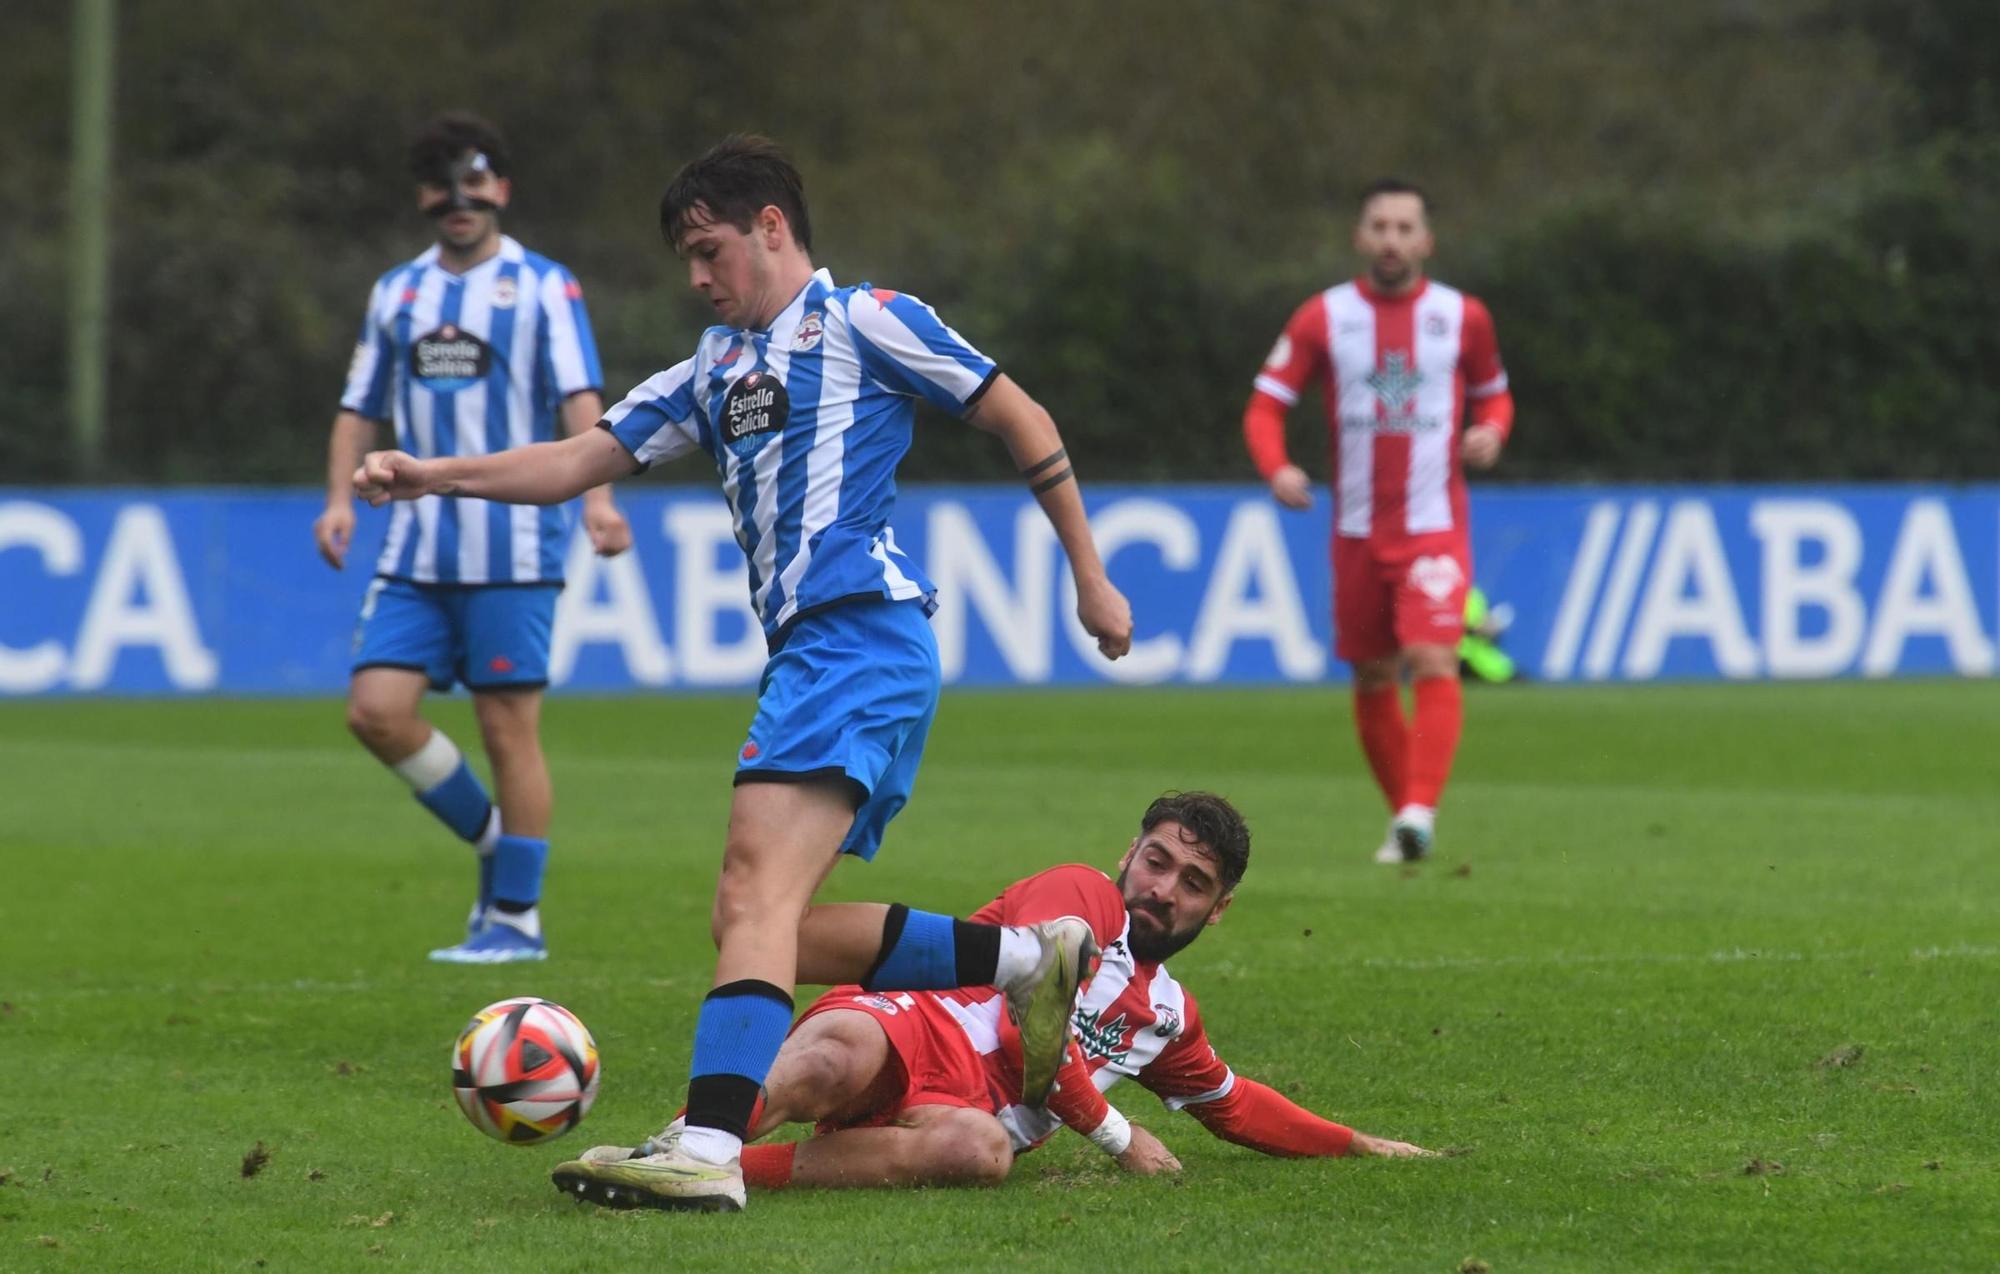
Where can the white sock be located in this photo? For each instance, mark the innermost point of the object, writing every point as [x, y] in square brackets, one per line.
[711, 1145]
[430, 764]
[489, 836]
[527, 922]
[1020, 952]
[1419, 815]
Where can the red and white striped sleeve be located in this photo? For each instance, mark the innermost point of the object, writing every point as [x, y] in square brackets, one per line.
[1299, 354]
[1486, 389]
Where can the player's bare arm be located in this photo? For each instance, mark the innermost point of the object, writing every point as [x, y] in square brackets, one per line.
[543, 473]
[1006, 411]
[610, 534]
[333, 530]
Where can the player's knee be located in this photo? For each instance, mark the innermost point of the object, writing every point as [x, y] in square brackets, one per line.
[756, 891]
[825, 1078]
[376, 725]
[741, 899]
[507, 726]
[1427, 661]
[969, 1147]
[1375, 674]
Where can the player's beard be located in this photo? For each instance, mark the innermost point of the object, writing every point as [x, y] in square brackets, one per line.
[1153, 945]
[1389, 275]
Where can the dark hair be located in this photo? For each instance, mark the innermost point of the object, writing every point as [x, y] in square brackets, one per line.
[732, 182]
[1394, 186]
[445, 138]
[1213, 821]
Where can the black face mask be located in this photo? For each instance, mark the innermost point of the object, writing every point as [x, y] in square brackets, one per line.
[453, 179]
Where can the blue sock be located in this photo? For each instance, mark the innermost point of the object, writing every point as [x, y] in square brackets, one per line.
[516, 872]
[919, 955]
[736, 1039]
[460, 803]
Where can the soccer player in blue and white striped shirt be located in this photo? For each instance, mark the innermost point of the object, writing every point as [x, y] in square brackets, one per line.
[802, 397]
[477, 346]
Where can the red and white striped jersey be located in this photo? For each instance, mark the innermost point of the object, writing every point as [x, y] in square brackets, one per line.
[1133, 1020]
[1396, 373]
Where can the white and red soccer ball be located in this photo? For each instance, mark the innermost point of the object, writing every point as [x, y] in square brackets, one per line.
[524, 1070]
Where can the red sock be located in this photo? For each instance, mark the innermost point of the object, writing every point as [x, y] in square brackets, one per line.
[1378, 717]
[769, 1167]
[1434, 739]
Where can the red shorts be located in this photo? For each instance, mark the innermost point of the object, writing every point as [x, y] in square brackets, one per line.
[938, 1064]
[1402, 593]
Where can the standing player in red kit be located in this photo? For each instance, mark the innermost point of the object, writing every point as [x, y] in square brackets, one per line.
[1399, 358]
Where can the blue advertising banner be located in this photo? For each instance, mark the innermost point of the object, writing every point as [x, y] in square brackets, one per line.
[188, 591]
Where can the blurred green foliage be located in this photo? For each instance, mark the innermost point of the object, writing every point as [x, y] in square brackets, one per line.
[1724, 239]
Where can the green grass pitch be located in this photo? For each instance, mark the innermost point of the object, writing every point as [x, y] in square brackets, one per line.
[1703, 978]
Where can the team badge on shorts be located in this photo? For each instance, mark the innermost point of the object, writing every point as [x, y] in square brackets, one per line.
[1436, 577]
[755, 407]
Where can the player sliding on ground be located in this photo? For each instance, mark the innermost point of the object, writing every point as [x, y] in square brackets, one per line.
[803, 398]
[923, 1088]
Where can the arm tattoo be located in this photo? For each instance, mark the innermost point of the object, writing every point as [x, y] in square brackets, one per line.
[1048, 462]
[1054, 480]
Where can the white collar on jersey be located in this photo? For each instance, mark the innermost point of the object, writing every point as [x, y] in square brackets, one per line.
[791, 312]
[510, 250]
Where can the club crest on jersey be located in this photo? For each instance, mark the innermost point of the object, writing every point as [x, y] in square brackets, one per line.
[504, 292]
[755, 407]
[1436, 325]
[449, 358]
[1396, 383]
[811, 328]
[1169, 1023]
[1436, 577]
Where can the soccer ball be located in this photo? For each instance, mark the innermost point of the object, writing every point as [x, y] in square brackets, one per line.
[524, 1070]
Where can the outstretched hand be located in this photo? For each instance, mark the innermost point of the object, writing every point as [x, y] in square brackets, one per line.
[390, 475]
[1146, 1157]
[1363, 1144]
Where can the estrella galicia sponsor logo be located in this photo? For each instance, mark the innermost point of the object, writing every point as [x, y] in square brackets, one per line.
[450, 358]
[755, 407]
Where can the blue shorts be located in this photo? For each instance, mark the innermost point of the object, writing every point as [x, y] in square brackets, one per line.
[849, 695]
[489, 637]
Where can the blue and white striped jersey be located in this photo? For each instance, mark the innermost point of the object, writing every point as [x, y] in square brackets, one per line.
[806, 421]
[465, 365]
